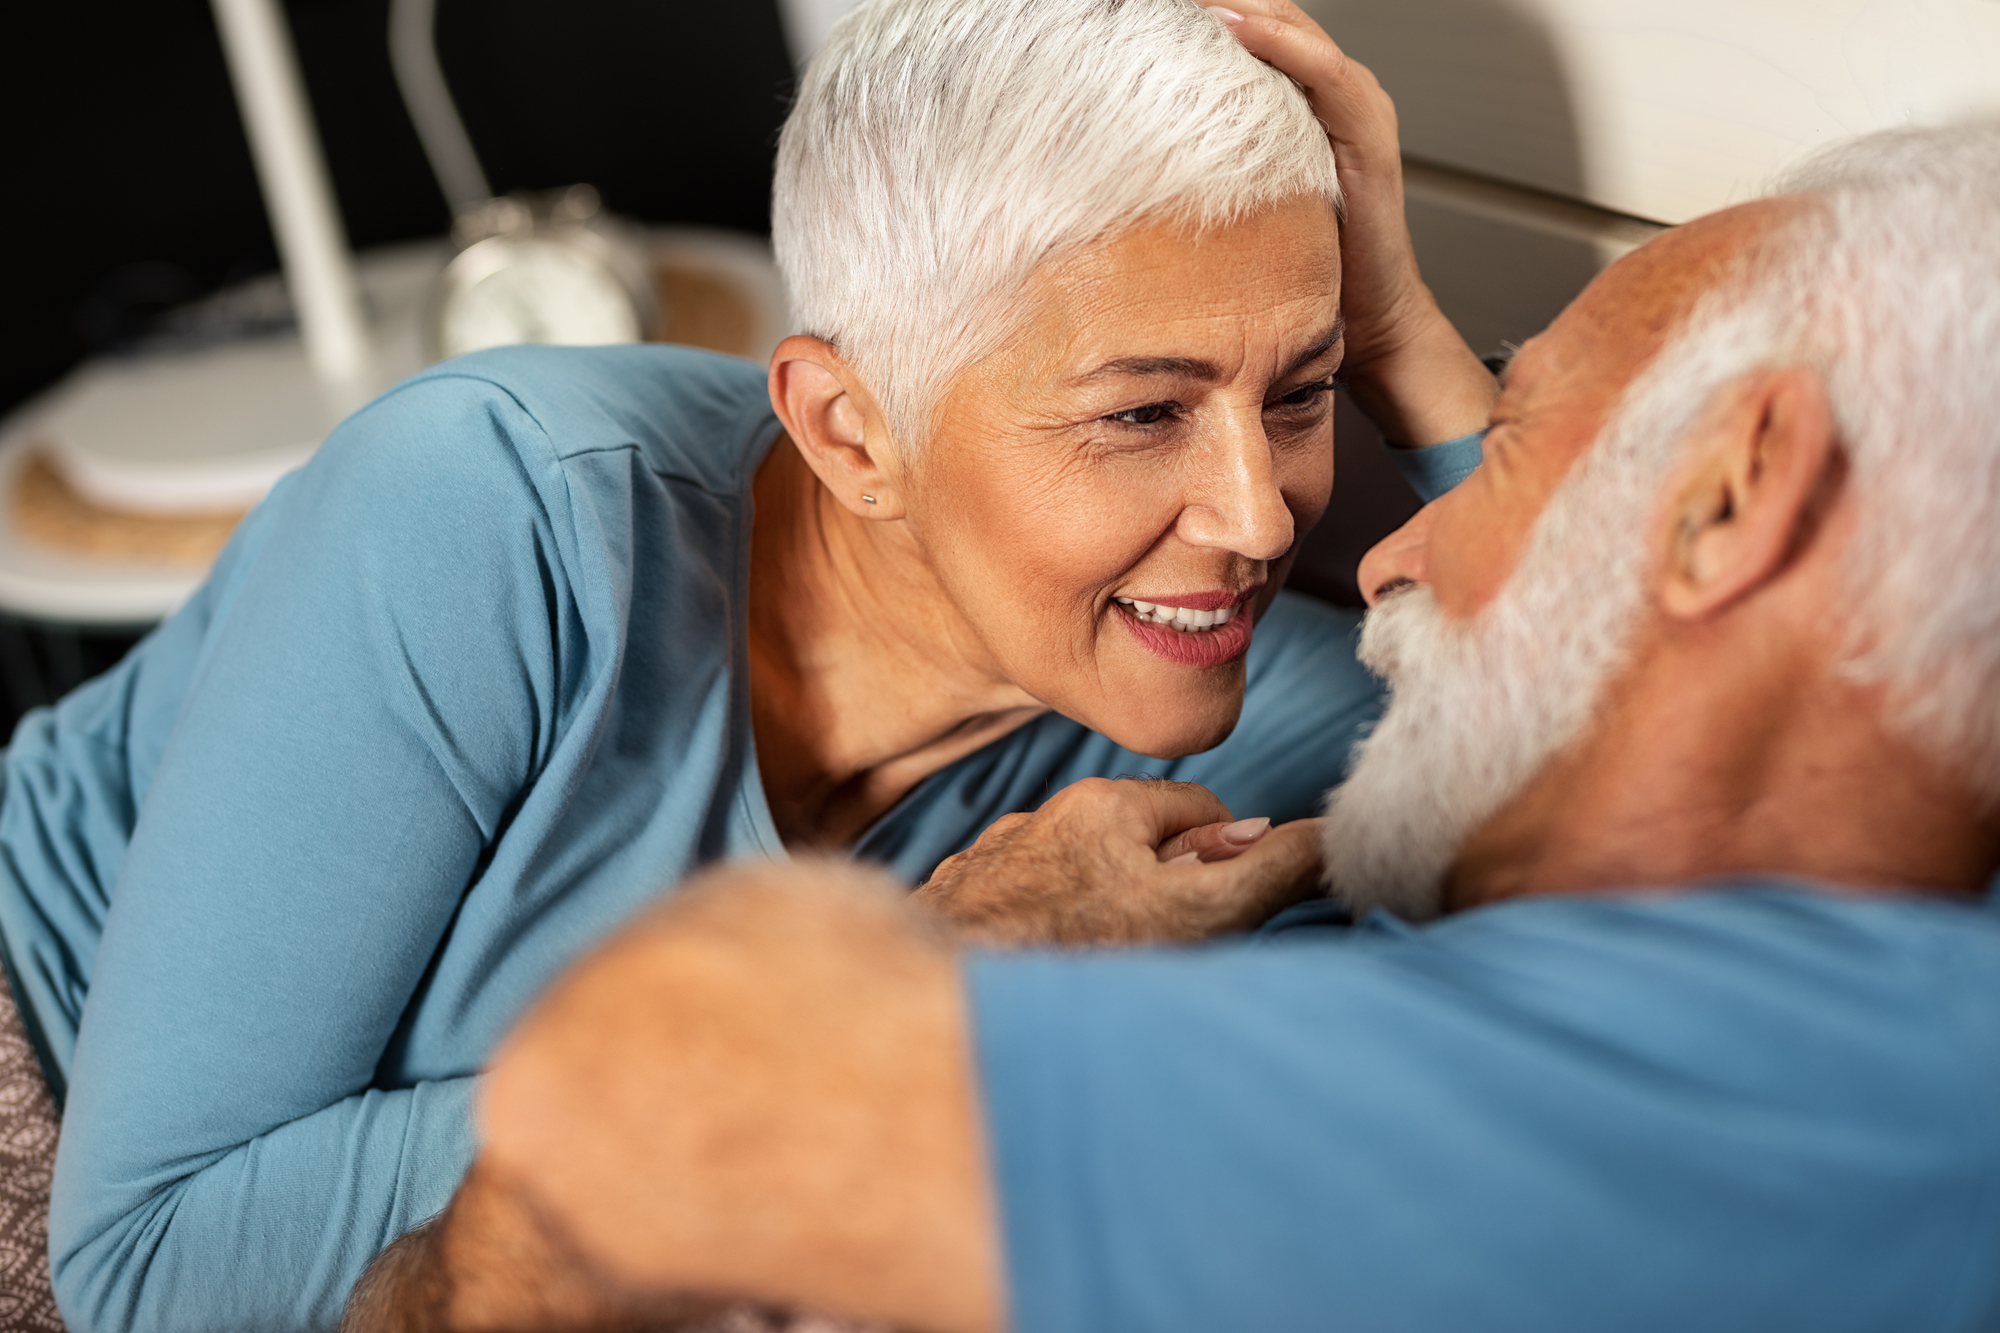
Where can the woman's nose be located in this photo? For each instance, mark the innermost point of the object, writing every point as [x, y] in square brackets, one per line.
[1399, 558]
[1241, 507]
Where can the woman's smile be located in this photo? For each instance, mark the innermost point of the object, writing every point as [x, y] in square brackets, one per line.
[1201, 629]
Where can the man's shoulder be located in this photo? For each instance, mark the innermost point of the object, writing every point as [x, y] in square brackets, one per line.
[1774, 935]
[1764, 993]
[1677, 1093]
[1719, 979]
[1764, 923]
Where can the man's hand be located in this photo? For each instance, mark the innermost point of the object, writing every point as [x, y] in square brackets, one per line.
[1088, 868]
[492, 1262]
[762, 1092]
[1406, 366]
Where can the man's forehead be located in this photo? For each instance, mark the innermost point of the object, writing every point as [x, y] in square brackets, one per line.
[1628, 313]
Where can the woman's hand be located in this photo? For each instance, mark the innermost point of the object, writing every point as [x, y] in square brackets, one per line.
[1406, 366]
[1107, 862]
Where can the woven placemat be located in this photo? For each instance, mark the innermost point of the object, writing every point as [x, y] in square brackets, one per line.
[703, 309]
[47, 512]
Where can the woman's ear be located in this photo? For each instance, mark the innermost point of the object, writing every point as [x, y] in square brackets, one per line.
[837, 425]
[1747, 498]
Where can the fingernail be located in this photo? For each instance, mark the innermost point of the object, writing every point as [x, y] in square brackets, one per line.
[1245, 831]
[1229, 16]
[1185, 858]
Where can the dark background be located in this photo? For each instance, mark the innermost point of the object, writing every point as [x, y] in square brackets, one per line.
[129, 187]
[128, 181]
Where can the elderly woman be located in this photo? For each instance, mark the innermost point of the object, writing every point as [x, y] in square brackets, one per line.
[541, 630]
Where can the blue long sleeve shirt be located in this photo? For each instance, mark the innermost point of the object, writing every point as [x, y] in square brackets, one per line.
[1741, 1107]
[459, 698]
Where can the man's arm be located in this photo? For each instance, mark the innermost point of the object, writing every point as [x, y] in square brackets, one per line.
[761, 1092]
[764, 1090]
[495, 1259]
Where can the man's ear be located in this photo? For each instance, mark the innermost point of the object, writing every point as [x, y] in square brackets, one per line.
[837, 425]
[1746, 500]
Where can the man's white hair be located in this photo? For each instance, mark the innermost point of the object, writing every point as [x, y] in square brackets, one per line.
[941, 149]
[1896, 275]
[1887, 284]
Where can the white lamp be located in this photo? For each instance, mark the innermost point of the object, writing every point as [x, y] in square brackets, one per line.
[212, 429]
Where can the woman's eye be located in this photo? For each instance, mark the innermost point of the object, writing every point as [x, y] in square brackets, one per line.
[1149, 415]
[1305, 394]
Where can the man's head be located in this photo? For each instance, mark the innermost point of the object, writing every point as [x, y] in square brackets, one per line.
[1765, 447]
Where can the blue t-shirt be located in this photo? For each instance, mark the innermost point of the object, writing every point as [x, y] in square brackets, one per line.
[463, 695]
[1750, 1107]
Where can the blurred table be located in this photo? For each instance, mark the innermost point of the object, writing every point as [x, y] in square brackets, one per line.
[71, 560]
[80, 579]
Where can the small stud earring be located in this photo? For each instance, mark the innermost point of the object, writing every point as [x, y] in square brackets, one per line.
[869, 499]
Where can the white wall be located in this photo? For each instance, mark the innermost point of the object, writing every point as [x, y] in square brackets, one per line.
[1541, 131]
[1664, 109]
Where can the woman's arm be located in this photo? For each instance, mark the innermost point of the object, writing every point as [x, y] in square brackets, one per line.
[376, 688]
[1406, 366]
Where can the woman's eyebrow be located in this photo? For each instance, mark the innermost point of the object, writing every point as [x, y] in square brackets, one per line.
[1176, 367]
[1324, 344]
[1194, 368]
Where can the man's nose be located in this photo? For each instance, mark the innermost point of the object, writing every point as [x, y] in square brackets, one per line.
[1399, 558]
[1239, 505]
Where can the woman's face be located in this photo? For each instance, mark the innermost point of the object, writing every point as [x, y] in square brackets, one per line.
[1109, 501]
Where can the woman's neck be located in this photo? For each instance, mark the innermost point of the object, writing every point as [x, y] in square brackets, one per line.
[864, 679]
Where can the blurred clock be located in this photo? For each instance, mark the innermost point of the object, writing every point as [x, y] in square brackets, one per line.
[541, 268]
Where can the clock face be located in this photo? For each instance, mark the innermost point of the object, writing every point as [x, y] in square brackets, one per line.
[535, 290]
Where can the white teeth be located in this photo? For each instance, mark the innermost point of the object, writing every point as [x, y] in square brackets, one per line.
[1183, 618]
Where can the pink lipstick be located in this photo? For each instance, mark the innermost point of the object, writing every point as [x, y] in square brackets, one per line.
[1196, 629]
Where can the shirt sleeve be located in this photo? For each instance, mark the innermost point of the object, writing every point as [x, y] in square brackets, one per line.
[378, 686]
[1436, 468]
[1530, 1124]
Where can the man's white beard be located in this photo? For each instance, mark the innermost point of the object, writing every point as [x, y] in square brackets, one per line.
[1479, 707]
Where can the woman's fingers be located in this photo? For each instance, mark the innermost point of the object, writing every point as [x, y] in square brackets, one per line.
[1215, 842]
[1280, 868]
[1150, 810]
[1344, 94]
[1406, 366]
[1085, 868]
[1278, 11]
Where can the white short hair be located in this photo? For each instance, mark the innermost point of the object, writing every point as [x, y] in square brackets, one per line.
[1903, 264]
[941, 149]
[1888, 285]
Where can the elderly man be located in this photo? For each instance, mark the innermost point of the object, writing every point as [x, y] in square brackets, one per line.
[1693, 754]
